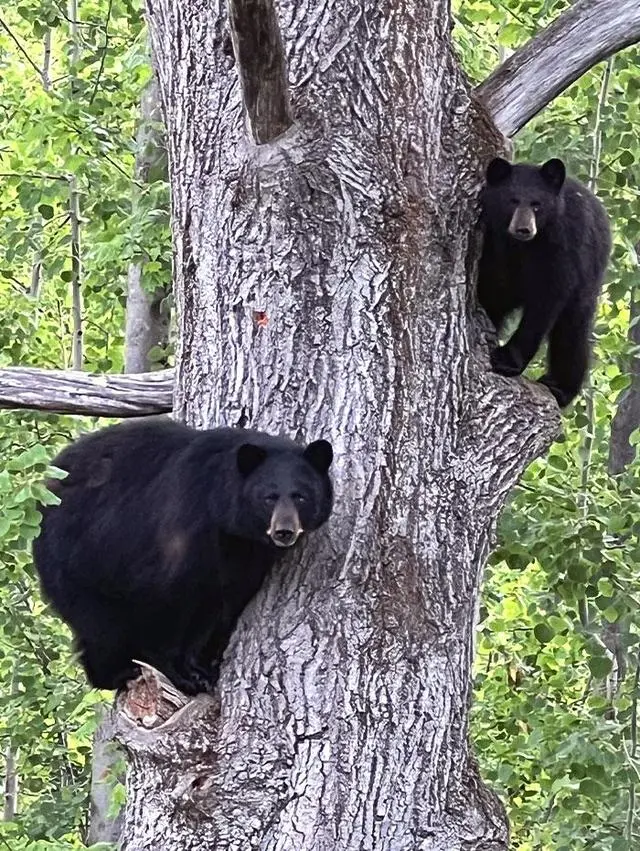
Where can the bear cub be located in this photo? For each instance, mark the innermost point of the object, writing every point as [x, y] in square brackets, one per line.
[163, 535]
[546, 248]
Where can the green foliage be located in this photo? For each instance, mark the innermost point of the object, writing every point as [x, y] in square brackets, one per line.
[556, 682]
[47, 715]
[60, 118]
[77, 120]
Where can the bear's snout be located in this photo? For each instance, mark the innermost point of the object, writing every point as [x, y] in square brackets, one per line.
[523, 224]
[285, 527]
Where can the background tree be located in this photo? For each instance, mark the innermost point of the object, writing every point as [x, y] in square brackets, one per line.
[355, 227]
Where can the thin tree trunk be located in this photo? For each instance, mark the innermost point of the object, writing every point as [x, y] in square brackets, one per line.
[77, 357]
[323, 289]
[627, 416]
[36, 266]
[148, 318]
[621, 455]
[103, 826]
[10, 785]
[10, 791]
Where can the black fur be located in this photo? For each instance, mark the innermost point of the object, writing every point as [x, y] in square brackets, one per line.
[161, 540]
[546, 249]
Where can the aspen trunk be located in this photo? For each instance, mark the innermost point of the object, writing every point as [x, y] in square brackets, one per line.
[324, 282]
[148, 319]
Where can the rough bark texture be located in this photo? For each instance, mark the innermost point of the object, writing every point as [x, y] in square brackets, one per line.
[590, 31]
[68, 392]
[148, 319]
[323, 285]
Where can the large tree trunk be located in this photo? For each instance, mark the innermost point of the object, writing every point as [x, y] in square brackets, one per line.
[324, 286]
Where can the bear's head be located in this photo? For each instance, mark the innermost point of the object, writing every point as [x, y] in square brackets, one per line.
[284, 492]
[519, 200]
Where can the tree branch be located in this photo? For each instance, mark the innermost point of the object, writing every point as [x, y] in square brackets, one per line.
[260, 59]
[69, 392]
[588, 32]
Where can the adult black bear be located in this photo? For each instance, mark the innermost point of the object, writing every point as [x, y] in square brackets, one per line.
[546, 248]
[164, 534]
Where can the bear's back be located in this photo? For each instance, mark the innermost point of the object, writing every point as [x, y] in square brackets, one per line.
[132, 452]
[585, 223]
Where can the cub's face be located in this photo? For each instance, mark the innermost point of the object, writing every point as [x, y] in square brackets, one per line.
[285, 493]
[520, 200]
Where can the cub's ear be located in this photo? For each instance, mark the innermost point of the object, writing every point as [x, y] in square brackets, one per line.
[498, 170]
[319, 454]
[250, 457]
[553, 172]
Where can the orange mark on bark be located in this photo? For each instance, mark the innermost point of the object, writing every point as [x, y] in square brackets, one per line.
[260, 318]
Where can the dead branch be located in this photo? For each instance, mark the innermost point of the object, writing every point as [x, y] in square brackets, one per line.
[73, 392]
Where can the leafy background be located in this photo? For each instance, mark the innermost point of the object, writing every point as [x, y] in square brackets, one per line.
[554, 720]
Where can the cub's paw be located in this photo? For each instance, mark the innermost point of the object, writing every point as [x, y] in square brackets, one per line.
[505, 361]
[563, 395]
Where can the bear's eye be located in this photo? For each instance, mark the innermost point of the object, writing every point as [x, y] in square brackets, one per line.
[299, 498]
[535, 206]
[271, 498]
[514, 201]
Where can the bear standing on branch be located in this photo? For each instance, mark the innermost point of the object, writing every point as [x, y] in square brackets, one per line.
[546, 248]
[164, 534]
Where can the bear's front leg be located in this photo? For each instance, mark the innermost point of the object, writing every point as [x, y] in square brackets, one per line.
[537, 319]
[507, 361]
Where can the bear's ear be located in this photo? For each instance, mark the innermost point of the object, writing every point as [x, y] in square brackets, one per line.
[250, 457]
[319, 454]
[553, 172]
[498, 170]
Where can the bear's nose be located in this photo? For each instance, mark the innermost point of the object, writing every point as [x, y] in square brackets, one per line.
[284, 537]
[523, 231]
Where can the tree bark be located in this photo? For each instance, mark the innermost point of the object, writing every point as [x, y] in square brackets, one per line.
[323, 289]
[148, 318]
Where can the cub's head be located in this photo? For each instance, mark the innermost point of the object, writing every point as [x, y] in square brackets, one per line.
[284, 492]
[520, 199]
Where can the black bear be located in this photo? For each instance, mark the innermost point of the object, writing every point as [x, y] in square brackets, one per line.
[164, 534]
[547, 243]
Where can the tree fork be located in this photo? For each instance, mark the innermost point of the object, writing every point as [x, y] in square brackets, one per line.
[258, 49]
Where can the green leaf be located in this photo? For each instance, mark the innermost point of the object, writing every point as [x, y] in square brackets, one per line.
[600, 666]
[558, 462]
[46, 211]
[543, 633]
